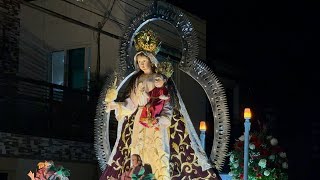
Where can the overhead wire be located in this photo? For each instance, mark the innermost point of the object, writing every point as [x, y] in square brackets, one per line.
[201, 39]
[158, 26]
[101, 4]
[139, 3]
[76, 5]
[121, 25]
[108, 13]
[125, 12]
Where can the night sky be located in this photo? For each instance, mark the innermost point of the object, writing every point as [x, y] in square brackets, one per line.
[261, 39]
[273, 44]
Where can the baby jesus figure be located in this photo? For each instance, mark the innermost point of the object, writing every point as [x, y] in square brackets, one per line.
[158, 97]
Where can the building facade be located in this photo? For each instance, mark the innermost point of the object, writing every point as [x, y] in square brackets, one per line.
[54, 64]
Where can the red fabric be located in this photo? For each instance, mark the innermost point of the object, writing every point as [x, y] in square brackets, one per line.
[155, 104]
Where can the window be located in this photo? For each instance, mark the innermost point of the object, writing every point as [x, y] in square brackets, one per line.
[71, 68]
[57, 68]
[76, 71]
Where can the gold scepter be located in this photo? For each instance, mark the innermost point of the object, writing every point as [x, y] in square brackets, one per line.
[112, 92]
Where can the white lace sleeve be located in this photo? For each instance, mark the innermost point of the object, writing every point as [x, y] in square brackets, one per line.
[125, 108]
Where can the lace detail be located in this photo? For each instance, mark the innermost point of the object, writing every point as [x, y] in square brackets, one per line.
[110, 160]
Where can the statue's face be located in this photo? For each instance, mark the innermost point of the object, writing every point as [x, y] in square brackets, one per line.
[144, 63]
[134, 160]
[159, 81]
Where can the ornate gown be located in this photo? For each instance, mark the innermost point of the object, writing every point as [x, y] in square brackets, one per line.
[174, 151]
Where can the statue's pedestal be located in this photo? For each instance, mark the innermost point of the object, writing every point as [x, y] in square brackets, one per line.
[225, 177]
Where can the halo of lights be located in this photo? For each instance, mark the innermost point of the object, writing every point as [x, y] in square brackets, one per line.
[188, 64]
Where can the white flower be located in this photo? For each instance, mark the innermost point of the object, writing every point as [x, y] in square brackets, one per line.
[241, 138]
[273, 141]
[231, 158]
[283, 154]
[262, 163]
[285, 165]
[272, 157]
[266, 173]
[236, 165]
[252, 146]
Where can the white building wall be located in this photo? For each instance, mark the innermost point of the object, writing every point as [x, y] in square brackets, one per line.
[56, 34]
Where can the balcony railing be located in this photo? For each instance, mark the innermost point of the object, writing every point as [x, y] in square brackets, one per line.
[40, 108]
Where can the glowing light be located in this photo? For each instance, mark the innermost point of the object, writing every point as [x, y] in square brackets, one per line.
[203, 126]
[247, 113]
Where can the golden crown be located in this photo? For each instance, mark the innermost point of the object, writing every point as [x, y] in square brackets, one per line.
[147, 40]
[165, 68]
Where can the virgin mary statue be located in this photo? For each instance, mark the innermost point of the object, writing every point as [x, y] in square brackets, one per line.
[169, 143]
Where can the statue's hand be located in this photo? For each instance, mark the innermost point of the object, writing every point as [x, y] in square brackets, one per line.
[164, 97]
[155, 122]
[111, 106]
[31, 175]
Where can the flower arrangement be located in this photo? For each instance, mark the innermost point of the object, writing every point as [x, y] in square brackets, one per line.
[47, 170]
[267, 160]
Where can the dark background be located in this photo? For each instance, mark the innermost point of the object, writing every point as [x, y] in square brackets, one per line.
[273, 44]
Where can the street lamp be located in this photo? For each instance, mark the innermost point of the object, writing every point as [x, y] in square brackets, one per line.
[203, 129]
[247, 117]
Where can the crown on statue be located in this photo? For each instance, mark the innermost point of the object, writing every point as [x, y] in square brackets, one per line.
[147, 40]
[165, 68]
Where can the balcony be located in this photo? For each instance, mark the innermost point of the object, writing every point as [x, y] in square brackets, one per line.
[39, 108]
